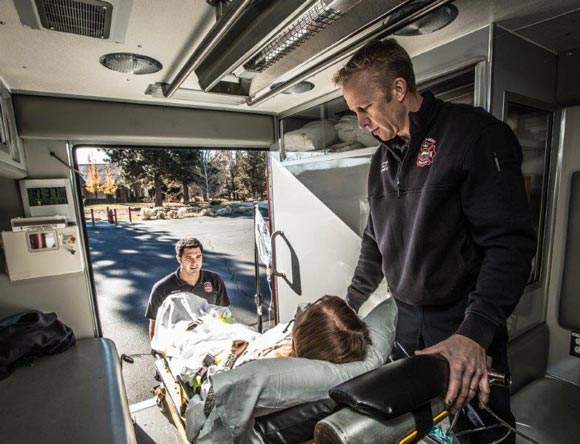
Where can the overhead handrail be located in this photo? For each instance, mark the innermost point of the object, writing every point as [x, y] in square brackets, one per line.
[349, 50]
[210, 41]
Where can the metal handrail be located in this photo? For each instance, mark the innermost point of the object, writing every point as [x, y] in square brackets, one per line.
[211, 40]
[349, 50]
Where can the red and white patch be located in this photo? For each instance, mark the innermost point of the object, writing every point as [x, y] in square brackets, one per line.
[207, 287]
[426, 153]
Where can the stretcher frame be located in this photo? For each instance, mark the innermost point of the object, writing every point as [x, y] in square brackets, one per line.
[170, 397]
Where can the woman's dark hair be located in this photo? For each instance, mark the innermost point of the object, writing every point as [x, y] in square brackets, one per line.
[330, 330]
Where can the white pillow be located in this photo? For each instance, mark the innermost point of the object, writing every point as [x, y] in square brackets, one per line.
[268, 385]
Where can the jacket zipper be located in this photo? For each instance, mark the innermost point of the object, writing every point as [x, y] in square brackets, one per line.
[398, 178]
[400, 160]
[496, 160]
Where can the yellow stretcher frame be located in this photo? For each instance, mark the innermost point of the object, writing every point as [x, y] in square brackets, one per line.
[170, 395]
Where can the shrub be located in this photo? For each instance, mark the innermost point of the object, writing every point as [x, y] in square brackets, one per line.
[147, 213]
[226, 211]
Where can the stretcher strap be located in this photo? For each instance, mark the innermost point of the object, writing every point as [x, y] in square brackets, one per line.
[423, 420]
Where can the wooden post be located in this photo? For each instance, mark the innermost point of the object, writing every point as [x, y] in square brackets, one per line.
[130, 220]
[93, 216]
[115, 215]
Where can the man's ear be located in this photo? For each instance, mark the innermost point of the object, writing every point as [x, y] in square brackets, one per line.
[400, 89]
[178, 257]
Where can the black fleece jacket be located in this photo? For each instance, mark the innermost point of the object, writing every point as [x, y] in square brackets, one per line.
[449, 218]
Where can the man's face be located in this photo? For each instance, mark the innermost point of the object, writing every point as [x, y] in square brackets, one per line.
[383, 118]
[191, 261]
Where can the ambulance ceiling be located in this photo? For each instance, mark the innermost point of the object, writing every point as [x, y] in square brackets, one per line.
[43, 61]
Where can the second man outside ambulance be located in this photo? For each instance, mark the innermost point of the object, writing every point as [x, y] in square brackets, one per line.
[190, 277]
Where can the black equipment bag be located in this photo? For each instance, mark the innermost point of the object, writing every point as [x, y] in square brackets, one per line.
[30, 335]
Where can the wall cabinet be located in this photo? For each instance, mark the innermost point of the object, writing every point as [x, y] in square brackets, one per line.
[12, 161]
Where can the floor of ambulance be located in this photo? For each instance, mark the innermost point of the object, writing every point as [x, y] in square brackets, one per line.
[151, 425]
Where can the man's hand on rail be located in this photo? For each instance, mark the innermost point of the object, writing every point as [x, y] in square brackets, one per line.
[467, 370]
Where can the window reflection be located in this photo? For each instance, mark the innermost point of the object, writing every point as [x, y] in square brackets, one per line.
[532, 126]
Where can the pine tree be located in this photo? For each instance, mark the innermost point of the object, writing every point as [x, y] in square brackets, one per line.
[149, 166]
[185, 169]
[252, 173]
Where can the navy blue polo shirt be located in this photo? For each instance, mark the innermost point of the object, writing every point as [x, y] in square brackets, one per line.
[209, 286]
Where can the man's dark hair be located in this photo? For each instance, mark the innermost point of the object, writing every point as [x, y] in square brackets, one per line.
[385, 61]
[330, 330]
[187, 242]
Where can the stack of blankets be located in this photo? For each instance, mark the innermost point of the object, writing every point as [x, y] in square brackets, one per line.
[330, 135]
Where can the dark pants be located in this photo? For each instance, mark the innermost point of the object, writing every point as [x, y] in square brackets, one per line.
[420, 327]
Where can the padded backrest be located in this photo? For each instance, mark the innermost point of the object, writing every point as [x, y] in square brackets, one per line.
[528, 356]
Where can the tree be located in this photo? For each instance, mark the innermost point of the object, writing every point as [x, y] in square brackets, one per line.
[212, 176]
[93, 180]
[110, 185]
[252, 173]
[185, 169]
[150, 166]
[233, 180]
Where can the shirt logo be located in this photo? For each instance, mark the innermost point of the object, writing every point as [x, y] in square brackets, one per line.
[426, 153]
[207, 287]
[384, 166]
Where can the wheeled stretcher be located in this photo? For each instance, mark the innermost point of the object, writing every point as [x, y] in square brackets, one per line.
[286, 400]
[397, 403]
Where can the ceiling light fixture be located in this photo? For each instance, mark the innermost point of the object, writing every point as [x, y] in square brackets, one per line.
[314, 20]
[129, 63]
[434, 21]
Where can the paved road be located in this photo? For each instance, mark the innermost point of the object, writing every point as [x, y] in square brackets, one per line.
[128, 259]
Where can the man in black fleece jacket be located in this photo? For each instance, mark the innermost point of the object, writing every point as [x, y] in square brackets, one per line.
[449, 224]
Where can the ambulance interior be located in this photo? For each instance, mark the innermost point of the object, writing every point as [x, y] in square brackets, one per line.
[221, 74]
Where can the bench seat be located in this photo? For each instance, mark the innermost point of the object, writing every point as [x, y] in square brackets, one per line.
[74, 397]
[547, 410]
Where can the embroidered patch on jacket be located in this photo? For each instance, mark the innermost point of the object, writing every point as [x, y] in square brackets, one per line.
[207, 287]
[426, 153]
[384, 166]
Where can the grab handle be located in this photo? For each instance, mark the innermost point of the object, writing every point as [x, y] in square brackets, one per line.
[275, 271]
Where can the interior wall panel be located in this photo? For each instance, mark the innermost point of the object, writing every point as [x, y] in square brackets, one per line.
[560, 363]
[66, 295]
[523, 68]
[76, 119]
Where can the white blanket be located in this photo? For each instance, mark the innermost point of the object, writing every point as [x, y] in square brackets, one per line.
[312, 136]
[188, 328]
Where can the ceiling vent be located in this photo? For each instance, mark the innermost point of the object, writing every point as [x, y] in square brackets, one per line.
[89, 18]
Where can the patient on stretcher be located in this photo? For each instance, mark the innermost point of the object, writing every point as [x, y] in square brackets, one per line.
[201, 341]
[190, 329]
